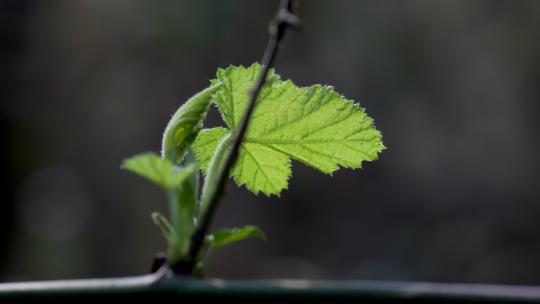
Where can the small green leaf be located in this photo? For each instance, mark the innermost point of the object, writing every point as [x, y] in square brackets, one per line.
[226, 236]
[313, 125]
[159, 171]
[165, 227]
[185, 124]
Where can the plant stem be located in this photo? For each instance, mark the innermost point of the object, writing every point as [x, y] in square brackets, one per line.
[175, 249]
[284, 19]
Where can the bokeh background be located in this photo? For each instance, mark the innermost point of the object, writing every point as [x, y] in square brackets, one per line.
[453, 85]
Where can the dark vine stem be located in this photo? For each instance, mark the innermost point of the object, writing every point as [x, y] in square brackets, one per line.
[285, 18]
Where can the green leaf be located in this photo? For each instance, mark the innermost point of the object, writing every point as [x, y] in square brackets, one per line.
[159, 171]
[313, 125]
[185, 124]
[236, 82]
[206, 144]
[226, 236]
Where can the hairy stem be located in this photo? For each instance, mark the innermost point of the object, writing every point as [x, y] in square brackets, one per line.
[213, 174]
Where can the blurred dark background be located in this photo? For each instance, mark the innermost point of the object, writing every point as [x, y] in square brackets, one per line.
[453, 85]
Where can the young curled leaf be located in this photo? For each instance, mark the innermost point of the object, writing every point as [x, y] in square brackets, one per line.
[185, 124]
[227, 236]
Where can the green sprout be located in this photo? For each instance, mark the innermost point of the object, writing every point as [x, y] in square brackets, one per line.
[314, 125]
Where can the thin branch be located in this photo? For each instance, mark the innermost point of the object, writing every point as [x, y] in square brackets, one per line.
[284, 19]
